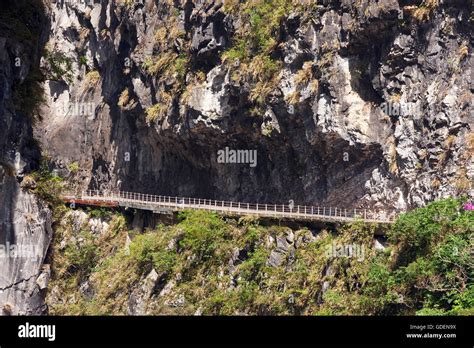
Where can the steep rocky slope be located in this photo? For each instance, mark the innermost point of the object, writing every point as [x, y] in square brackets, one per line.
[25, 221]
[208, 265]
[148, 92]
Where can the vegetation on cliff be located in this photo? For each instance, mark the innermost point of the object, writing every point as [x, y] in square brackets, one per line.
[207, 264]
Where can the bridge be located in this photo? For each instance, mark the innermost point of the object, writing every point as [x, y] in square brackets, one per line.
[167, 204]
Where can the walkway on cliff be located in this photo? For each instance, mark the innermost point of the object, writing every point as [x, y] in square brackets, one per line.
[166, 204]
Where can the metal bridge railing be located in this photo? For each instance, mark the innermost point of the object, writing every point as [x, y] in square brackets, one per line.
[181, 203]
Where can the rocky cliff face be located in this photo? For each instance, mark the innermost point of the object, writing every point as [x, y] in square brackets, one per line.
[25, 237]
[347, 102]
[25, 222]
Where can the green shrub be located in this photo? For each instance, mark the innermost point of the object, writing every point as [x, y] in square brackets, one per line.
[73, 167]
[99, 213]
[417, 229]
[48, 186]
[82, 256]
[204, 232]
[59, 66]
[83, 60]
[180, 67]
[164, 260]
[255, 44]
[264, 20]
[142, 248]
[252, 268]
[434, 265]
[149, 250]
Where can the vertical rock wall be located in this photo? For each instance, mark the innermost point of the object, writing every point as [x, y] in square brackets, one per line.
[324, 134]
[25, 222]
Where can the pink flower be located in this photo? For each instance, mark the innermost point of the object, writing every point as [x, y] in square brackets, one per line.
[468, 206]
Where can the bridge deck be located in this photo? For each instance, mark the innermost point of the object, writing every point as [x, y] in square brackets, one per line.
[165, 203]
